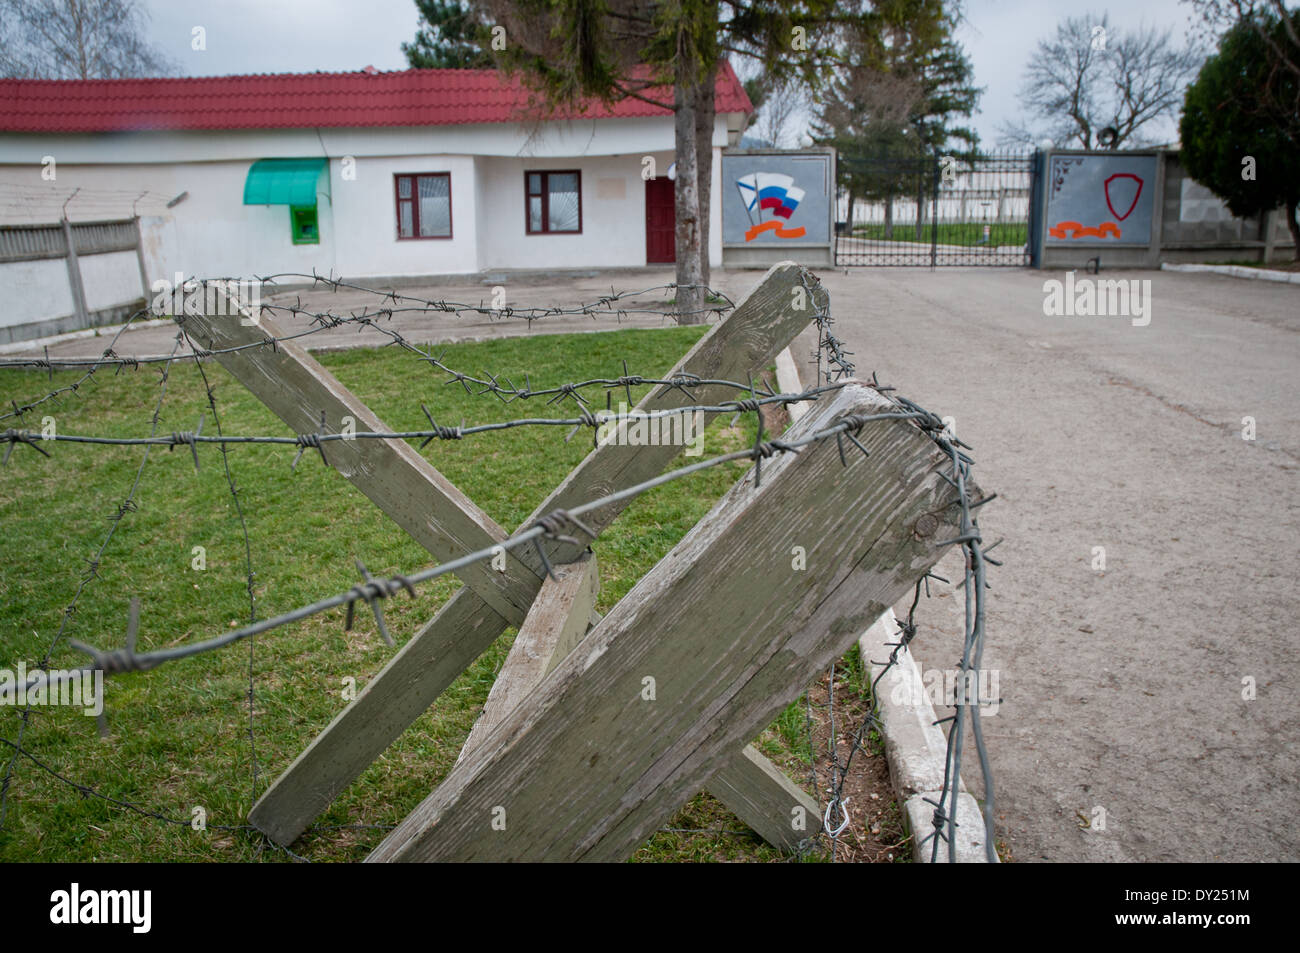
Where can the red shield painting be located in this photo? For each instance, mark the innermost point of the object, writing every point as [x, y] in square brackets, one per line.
[1122, 191]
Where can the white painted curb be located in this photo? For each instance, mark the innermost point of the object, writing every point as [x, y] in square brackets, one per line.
[916, 749]
[1238, 271]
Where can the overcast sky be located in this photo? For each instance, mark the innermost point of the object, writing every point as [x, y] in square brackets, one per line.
[278, 36]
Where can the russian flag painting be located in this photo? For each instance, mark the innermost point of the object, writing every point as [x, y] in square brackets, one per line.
[775, 192]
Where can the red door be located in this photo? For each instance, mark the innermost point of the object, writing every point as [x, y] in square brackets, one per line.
[660, 221]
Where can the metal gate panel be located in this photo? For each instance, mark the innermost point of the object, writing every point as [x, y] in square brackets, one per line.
[936, 210]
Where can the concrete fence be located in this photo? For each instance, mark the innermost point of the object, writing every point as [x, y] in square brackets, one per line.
[68, 276]
[1172, 218]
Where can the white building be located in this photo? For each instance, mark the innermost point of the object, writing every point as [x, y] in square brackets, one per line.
[367, 174]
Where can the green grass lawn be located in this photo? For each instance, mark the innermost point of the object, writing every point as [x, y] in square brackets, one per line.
[1006, 233]
[179, 736]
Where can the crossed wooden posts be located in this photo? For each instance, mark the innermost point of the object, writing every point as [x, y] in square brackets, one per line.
[564, 763]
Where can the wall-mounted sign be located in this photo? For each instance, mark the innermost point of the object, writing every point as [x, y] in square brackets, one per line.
[777, 198]
[1100, 199]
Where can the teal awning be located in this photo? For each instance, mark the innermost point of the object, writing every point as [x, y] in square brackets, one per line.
[282, 182]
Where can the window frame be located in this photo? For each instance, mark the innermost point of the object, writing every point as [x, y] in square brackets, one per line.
[546, 202]
[415, 235]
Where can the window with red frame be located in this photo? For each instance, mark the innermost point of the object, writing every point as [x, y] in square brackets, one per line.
[553, 202]
[424, 205]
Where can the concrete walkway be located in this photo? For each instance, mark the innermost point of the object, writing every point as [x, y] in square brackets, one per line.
[1122, 689]
[410, 318]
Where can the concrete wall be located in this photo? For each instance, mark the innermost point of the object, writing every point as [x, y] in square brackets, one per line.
[1189, 224]
[715, 213]
[364, 218]
[1199, 227]
[613, 214]
[34, 290]
[38, 292]
[110, 280]
[211, 233]
[541, 140]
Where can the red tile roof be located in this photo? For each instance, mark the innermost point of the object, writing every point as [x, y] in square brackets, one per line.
[436, 97]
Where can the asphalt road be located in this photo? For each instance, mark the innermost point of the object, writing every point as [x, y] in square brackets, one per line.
[1121, 689]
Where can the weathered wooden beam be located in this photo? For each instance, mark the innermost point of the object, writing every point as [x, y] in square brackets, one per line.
[554, 625]
[391, 473]
[370, 722]
[750, 785]
[745, 342]
[587, 768]
[764, 797]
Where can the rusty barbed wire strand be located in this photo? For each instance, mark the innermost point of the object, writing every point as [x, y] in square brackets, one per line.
[373, 590]
[326, 320]
[248, 564]
[107, 359]
[829, 346]
[317, 439]
[839, 367]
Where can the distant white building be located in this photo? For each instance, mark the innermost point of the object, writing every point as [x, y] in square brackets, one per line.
[367, 174]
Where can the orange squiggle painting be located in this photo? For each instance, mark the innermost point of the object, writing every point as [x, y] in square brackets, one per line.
[1084, 231]
[772, 224]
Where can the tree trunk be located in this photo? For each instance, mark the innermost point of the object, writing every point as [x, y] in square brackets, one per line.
[1294, 227]
[692, 256]
[889, 217]
[705, 112]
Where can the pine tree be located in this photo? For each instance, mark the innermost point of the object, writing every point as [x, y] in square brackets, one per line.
[615, 49]
[1241, 119]
[903, 83]
[452, 35]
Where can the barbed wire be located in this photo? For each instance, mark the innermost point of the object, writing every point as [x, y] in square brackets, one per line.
[557, 526]
[829, 347]
[602, 305]
[944, 820]
[88, 575]
[326, 320]
[317, 439]
[321, 321]
[107, 359]
[838, 771]
[974, 583]
[248, 563]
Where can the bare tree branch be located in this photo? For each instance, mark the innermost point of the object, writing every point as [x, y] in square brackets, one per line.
[1090, 76]
[77, 39]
